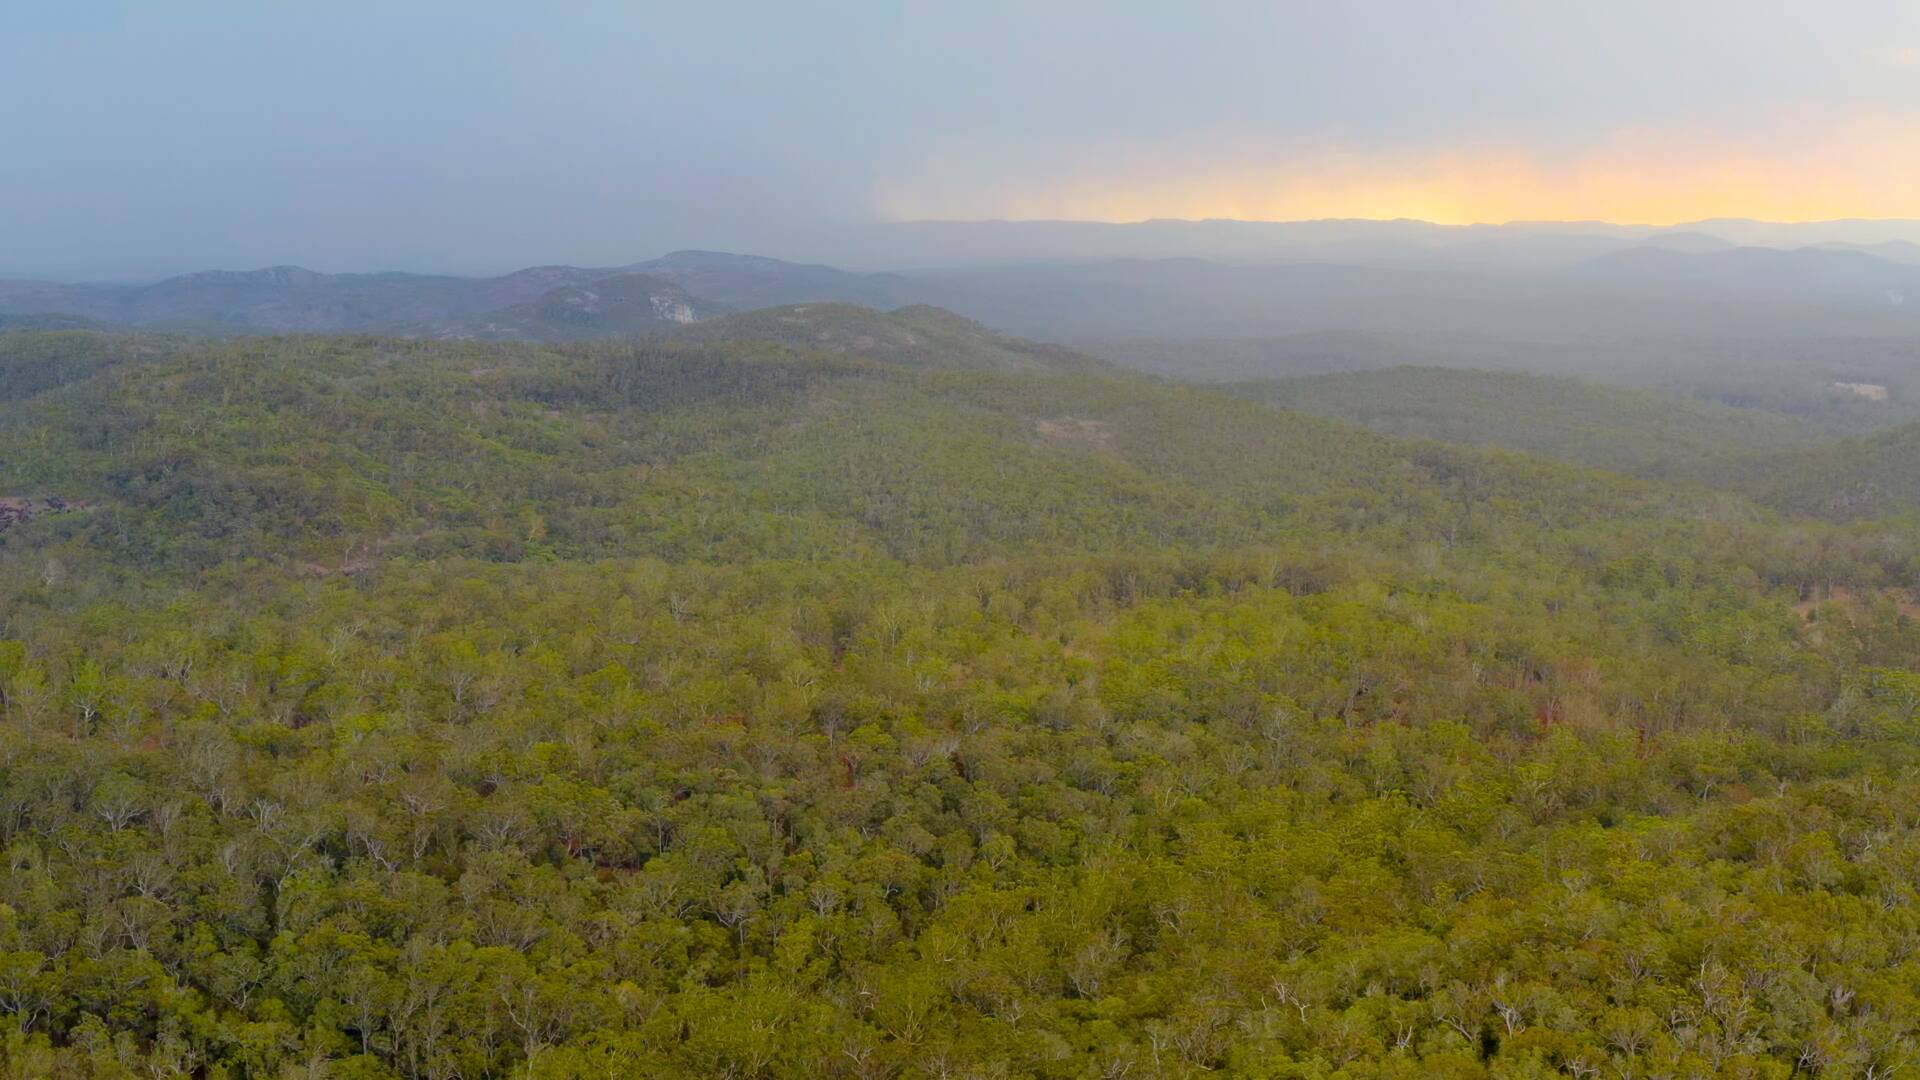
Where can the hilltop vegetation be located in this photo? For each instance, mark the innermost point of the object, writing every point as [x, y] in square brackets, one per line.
[837, 694]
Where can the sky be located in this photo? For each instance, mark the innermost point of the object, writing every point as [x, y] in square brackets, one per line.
[139, 138]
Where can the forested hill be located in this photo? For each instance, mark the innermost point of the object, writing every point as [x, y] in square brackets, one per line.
[845, 705]
[307, 447]
[1626, 430]
[540, 303]
[914, 336]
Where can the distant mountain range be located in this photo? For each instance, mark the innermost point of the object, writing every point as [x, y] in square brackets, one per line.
[1240, 279]
[1515, 245]
[1837, 272]
[538, 303]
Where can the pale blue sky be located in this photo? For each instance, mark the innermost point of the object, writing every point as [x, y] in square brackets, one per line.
[141, 138]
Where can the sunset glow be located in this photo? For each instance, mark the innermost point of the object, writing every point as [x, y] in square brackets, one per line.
[1859, 168]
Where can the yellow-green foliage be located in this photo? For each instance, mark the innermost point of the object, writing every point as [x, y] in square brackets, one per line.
[392, 709]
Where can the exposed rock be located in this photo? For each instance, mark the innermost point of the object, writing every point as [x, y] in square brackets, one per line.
[1076, 431]
[1870, 391]
[18, 510]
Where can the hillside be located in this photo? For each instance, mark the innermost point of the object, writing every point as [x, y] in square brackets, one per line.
[1864, 477]
[1623, 430]
[833, 693]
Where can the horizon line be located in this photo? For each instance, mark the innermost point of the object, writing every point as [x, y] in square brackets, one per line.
[1733, 219]
[123, 278]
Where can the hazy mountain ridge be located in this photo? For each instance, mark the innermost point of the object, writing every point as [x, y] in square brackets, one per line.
[1681, 312]
[1066, 280]
[744, 282]
[613, 306]
[1844, 274]
[1512, 245]
[540, 303]
[279, 299]
[50, 321]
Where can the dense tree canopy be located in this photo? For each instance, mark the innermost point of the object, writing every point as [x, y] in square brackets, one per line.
[376, 709]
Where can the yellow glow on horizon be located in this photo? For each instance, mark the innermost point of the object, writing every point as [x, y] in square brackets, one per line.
[1860, 168]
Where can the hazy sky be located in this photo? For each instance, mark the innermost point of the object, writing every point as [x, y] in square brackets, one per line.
[137, 138]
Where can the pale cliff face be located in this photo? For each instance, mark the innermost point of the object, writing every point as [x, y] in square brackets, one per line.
[673, 309]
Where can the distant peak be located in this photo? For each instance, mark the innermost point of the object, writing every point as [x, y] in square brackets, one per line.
[270, 275]
[696, 256]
